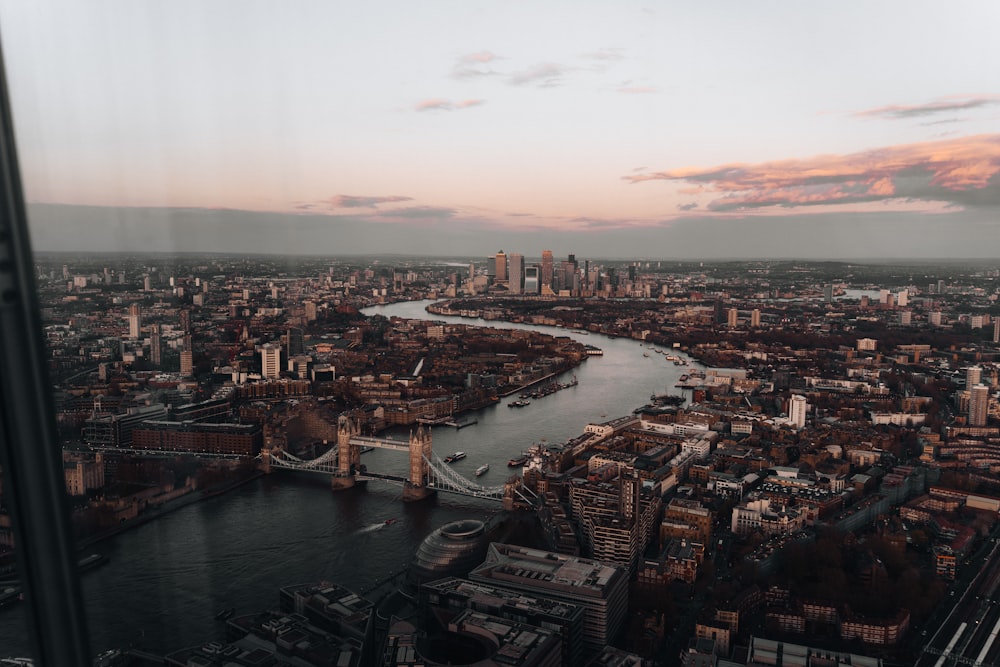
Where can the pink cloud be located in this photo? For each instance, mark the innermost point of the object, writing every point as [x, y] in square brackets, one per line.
[439, 104]
[637, 90]
[964, 171]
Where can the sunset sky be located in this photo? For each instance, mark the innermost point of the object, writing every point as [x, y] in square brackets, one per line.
[673, 129]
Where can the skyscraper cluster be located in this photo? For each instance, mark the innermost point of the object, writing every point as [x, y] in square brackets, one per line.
[545, 278]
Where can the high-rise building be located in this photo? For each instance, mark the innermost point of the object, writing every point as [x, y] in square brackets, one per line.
[531, 280]
[270, 361]
[515, 273]
[979, 405]
[903, 298]
[996, 330]
[187, 363]
[146, 284]
[828, 293]
[905, 318]
[185, 321]
[310, 308]
[755, 317]
[134, 321]
[973, 376]
[732, 318]
[548, 267]
[501, 266]
[155, 345]
[296, 342]
[797, 406]
[934, 318]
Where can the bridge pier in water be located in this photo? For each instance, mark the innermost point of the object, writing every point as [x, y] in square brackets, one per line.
[420, 452]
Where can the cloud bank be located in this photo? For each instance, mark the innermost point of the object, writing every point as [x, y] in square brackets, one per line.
[948, 105]
[964, 171]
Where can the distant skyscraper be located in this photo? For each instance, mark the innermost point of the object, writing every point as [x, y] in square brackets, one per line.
[548, 267]
[979, 405]
[310, 307]
[903, 298]
[296, 342]
[935, 318]
[270, 361]
[828, 293]
[797, 410]
[146, 284]
[732, 317]
[501, 267]
[531, 280]
[973, 376]
[515, 273]
[185, 320]
[755, 317]
[134, 321]
[155, 345]
[996, 330]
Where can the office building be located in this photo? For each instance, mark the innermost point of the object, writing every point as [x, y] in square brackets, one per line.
[453, 596]
[295, 345]
[548, 270]
[531, 280]
[270, 361]
[979, 405]
[797, 406]
[602, 590]
[134, 321]
[515, 273]
[501, 267]
[973, 376]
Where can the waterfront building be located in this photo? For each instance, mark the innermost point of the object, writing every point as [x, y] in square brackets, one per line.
[473, 638]
[602, 590]
[199, 437]
[453, 595]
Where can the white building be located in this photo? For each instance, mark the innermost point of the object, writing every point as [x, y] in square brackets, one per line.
[797, 407]
[270, 361]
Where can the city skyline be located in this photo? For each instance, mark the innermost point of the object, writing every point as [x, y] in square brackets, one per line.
[680, 132]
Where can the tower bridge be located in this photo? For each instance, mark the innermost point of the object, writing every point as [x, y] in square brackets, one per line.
[428, 474]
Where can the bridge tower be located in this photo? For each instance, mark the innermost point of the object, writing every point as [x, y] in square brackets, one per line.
[348, 456]
[420, 452]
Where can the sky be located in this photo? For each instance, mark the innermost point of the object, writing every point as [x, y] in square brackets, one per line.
[670, 129]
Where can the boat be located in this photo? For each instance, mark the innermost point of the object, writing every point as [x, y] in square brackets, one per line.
[225, 614]
[645, 354]
[482, 470]
[366, 448]
[518, 404]
[518, 461]
[389, 522]
[91, 561]
[457, 456]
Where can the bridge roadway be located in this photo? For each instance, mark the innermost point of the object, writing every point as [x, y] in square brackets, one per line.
[969, 634]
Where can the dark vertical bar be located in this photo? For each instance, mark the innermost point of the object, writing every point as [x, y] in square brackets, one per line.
[29, 449]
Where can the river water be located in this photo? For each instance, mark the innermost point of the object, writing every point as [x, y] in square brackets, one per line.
[167, 579]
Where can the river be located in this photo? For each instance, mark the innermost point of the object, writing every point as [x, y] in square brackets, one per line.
[166, 579]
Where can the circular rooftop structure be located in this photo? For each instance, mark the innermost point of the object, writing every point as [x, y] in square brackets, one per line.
[452, 550]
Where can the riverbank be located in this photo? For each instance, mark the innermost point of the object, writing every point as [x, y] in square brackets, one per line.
[166, 508]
